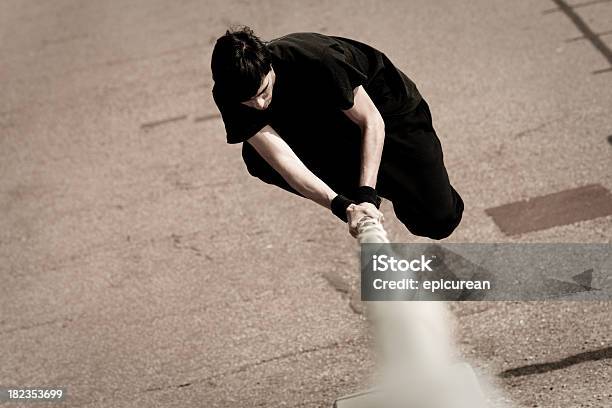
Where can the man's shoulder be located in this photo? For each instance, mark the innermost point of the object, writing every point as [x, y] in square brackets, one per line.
[301, 37]
[301, 45]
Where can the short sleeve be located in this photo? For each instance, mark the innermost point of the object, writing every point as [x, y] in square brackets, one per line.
[341, 75]
[241, 122]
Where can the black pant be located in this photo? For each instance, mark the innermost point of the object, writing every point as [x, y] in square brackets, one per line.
[411, 175]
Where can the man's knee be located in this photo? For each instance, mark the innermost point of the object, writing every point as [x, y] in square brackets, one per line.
[434, 229]
[435, 225]
[441, 229]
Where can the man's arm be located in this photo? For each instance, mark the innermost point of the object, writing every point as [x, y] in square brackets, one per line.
[365, 114]
[278, 154]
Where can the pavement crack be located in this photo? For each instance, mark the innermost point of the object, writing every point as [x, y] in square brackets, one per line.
[594, 355]
[63, 320]
[575, 6]
[177, 243]
[584, 28]
[336, 281]
[149, 125]
[302, 351]
[204, 118]
[343, 287]
[534, 129]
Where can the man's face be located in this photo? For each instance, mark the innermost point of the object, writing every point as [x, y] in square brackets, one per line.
[263, 97]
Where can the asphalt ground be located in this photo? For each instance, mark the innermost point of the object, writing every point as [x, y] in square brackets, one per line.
[142, 266]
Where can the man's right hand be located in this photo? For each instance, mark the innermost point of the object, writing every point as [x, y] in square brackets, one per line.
[355, 212]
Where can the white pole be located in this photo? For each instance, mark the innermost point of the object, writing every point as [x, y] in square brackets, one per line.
[416, 352]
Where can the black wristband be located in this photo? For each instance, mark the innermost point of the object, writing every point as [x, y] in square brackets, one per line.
[366, 194]
[339, 205]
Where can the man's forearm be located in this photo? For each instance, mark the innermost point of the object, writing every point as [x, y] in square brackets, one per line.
[315, 190]
[373, 138]
[298, 176]
[277, 153]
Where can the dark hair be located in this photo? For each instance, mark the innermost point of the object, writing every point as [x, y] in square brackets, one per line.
[240, 60]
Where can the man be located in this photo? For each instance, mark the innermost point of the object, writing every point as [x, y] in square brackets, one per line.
[333, 120]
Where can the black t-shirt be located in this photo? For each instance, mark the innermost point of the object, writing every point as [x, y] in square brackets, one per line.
[315, 78]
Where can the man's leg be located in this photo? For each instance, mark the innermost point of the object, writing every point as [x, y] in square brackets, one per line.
[436, 222]
[414, 178]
